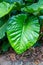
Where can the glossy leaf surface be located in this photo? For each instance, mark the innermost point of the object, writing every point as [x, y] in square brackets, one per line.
[22, 33]
[5, 8]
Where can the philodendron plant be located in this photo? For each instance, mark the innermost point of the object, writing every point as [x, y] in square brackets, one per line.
[20, 20]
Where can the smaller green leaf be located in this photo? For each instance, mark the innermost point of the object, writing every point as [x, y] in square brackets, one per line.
[5, 8]
[3, 26]
[34, 8]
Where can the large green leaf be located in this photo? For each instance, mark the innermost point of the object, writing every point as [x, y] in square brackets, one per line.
[3, 26]
[34, 8]
[22, 33]
[5, 8]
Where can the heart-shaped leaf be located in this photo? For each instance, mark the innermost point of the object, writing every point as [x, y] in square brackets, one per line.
[22, 33]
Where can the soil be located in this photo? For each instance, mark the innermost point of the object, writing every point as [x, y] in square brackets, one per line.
[33, 56]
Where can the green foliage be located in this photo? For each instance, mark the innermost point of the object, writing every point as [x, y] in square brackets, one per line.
[21, 23]
[29, 1]
[3, 26]
[22, 33]
[41, 20]
[34, 8]
[12, 1]
[5, 47]
[5, 8]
